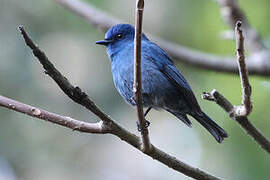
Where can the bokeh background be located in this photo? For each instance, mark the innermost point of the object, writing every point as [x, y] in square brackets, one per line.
[33, 149]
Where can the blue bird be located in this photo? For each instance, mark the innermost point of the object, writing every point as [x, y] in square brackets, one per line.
[163, 86]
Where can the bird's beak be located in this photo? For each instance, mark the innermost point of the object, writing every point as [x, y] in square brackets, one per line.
[104, 42]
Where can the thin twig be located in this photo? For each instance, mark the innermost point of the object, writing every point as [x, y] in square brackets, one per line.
[258, 66]
[108, 125]
[246, 107]
[231, 13]
[214, 95]
[137, 86]
[259, 138]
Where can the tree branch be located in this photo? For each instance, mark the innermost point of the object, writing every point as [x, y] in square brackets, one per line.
[246, 107]
[137, 85]
[106, 125]
[96, 128]
[240, 113]
[74, 93]
[258, 65]
[103, 128]
[259, 138]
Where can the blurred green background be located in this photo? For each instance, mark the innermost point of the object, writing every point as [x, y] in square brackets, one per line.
[33, 149]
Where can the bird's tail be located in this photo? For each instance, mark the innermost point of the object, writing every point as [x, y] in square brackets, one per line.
[216, 131]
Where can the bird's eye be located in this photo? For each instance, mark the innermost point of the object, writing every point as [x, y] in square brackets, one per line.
[119, 36]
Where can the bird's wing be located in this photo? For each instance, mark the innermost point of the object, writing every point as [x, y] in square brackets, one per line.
[164, 63]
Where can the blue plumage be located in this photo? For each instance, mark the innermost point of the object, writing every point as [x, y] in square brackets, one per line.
[163, 86]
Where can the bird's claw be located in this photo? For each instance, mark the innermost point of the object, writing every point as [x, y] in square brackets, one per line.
[140, 129]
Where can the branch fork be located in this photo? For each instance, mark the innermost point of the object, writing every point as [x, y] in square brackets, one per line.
[246, 107]
[240, 113]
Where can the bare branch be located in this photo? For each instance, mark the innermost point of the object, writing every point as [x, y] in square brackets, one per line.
[242, 120]
[231, 13]
[68, 122]
[258, 64]
[246, 107]
[240, 113]
[137, 86]
[75, 93]
[254, 132]
[106, 124]
[102, 128]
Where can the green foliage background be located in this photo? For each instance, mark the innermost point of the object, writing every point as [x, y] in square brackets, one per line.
[32, 149]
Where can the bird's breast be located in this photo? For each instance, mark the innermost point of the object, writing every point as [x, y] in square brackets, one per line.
[123, 80]
[156, 89]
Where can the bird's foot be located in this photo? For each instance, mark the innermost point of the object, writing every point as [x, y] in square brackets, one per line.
[140, 129]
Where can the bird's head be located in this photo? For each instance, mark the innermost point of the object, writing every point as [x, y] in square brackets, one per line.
[118, 37]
